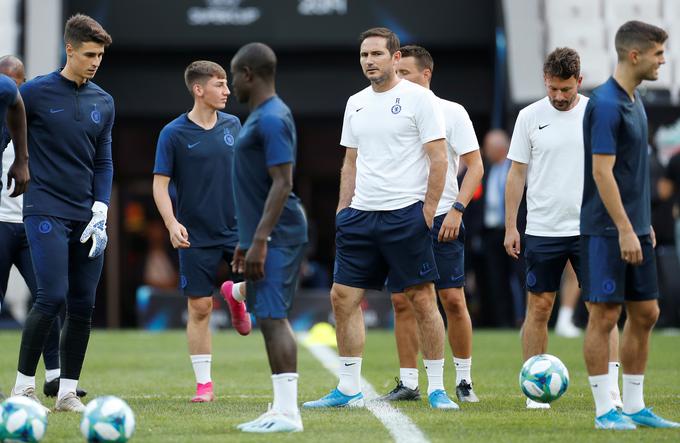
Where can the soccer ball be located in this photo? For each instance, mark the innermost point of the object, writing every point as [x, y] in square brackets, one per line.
[107, 419]
[544, 378]
[22, 420]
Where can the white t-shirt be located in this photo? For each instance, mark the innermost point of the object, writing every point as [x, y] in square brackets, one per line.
[460, 139]
[389, 130]
[551, 143]
[10, 208]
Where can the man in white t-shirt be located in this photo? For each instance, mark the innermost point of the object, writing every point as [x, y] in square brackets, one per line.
[547, 154]
[392, 179]
[448, 242]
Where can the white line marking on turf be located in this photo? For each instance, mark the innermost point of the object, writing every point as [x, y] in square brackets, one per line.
[400, 426]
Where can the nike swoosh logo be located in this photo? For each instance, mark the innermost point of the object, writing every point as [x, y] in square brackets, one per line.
[595, 386]
[542, 127]
[350, 364]
[359, 109]
[423, 273]
[54, 111]
[636, 384]
[192, 145]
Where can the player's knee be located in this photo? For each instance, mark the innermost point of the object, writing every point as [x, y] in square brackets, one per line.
[200, 307]
[402, 307]
[540, 307]
[603, 317]
[453, 301]
[343, 301]
[645, 318]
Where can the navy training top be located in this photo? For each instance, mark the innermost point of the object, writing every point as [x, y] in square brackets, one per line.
[8, 97]
[199, 163]
[69, 146]
[268, 138]
[615, 125]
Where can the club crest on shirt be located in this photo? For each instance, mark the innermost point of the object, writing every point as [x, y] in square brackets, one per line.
[95, 115]
[228, 138]
[396, 109]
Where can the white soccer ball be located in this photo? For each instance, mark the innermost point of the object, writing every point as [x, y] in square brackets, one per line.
[544, 378]
[22, 420]
[107, 419]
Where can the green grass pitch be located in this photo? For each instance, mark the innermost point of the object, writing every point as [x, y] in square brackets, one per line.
[153, 373]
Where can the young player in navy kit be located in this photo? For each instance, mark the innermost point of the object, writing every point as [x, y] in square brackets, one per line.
[69, 129]
[196, 152]
[272, 226]
[617, 240]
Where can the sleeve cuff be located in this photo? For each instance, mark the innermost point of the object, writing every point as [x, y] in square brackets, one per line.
[100, 207]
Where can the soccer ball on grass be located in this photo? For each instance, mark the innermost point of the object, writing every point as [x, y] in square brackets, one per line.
[22, 420]
[107, 419]
[544, 378]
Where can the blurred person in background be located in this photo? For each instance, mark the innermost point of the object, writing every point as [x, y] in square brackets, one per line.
[502, 289]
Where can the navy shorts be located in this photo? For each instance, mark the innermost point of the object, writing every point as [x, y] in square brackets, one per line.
[449, 256]
[272, 297]
[546, 258]
[198, 268]
[609, 279]
[372, 246]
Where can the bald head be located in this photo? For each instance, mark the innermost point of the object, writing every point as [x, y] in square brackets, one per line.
[12, 67]
[496, 145]
[258, 58]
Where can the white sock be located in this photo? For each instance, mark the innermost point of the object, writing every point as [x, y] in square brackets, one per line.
[23, 382]
[201, 364]
[599, 384]
[633, 401]
[463, 367]
[350, 375]
[66, 385]
[614, 377]
[285, 392]
[565, 315]
[238, 291]
[435, 375]
[409, 377]
[51, 374]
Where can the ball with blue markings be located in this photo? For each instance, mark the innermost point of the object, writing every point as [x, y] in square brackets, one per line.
[107, 419]
[22, 420]
[544, 378]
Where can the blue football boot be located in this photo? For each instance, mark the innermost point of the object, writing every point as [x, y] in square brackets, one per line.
[645, 417]
[337, 399]
[440, 400]
[613, 419]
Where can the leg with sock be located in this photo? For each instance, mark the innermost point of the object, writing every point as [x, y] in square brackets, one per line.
[200, 346]
[406, 335]
[350, 334]
[83, 275]
[431, 333]
[601, 321]
[642, 317]
[284, 415]
[460, 339]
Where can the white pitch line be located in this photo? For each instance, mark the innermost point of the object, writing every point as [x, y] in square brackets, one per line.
[400, 426]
